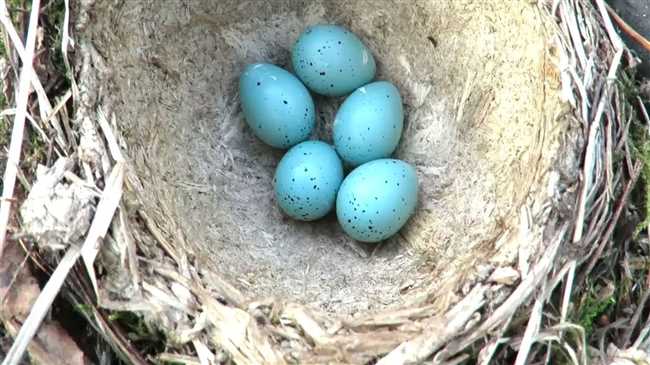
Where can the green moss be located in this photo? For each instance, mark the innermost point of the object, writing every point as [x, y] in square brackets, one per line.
[84, 309]
[592, 307]
[148, 340]
[639, 141]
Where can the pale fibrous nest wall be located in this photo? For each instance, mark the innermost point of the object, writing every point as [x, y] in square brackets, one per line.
[511, 122]
[483, 128]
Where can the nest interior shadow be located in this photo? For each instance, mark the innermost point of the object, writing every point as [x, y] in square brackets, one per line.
[484, 126]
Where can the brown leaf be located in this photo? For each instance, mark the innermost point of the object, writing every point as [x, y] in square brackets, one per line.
[18, 287]
[18, 291]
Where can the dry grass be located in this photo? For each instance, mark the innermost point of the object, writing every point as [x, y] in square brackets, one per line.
[215, 327]
[27, 74]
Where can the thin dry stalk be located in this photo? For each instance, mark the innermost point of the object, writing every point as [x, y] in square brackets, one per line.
[605, 240]
[634, 321]
[45, 107]
[15, 146]
[612, 34]
[631, 32]
[532, 329]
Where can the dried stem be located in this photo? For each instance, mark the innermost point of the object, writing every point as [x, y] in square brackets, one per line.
[631, 32]
[15, 146]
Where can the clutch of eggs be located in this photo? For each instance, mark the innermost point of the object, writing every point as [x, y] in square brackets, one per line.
[277, 106]
[377, 198]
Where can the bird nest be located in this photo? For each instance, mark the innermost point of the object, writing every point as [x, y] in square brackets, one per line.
[513, 120]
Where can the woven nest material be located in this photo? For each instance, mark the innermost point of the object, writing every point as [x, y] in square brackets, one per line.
[513, 120]
[484, 127]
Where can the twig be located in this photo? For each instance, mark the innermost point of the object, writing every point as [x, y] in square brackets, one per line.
[66, 41]
[612, 224]
[644, 112]
[166, 357]
[45, 107]
[631, 32]
[532, 328]
[15, 146]
[590, 155]
[576, 38]
[90, 252]
[635, 318]
[611, 32]
[532, 332]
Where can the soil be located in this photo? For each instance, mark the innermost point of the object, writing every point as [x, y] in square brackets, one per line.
[482, 128]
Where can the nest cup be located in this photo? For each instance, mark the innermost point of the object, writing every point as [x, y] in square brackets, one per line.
[484, 127]
[481, 127]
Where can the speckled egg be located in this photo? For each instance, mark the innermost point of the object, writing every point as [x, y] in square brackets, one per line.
[331, 60]
[369, 123]
[376, 199]
[277, 106]
[307, 180]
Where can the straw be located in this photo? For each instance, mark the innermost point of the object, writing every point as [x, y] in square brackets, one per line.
[15, 146]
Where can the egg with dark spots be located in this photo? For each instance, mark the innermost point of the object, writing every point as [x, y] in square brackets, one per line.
[369, 123]
[307, 179]
[332, 60]
[376, 199]
[277, 106]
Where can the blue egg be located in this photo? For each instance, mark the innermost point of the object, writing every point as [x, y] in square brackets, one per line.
[369, 123]
[307, 180]
[277, 106]
[331, 60]
[376, 199]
